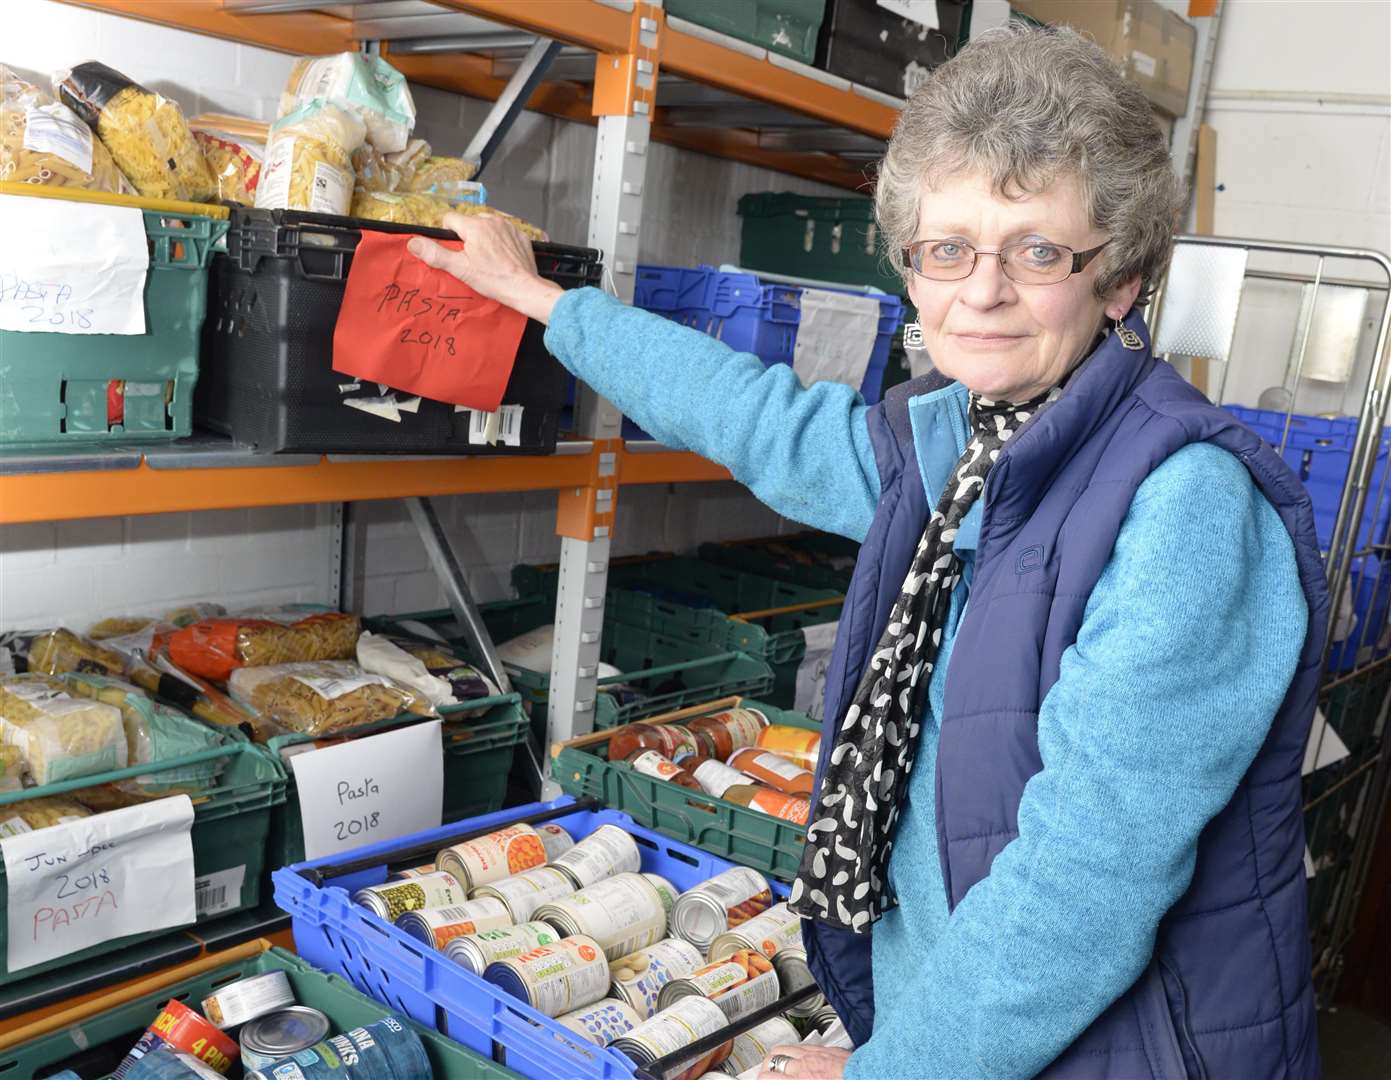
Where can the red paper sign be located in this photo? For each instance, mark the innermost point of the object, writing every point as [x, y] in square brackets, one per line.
[421, 330]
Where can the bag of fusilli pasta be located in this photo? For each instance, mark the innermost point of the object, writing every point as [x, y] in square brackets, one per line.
[318, 698]
[214, 648]
[42, 141]
[309, 162]
[147, 134]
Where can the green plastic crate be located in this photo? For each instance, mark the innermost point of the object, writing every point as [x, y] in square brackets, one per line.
[55, 385]
[776, 639]
[815, 236]
[231, 826]
[789, 27]
[478, 754]
[777, 557]
[94, 1046]
[748, 837]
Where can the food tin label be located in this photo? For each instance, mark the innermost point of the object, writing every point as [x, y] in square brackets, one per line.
[555, 840]
[638, 978]
[238, 1002]
[716, 777]
[777, 766]
[603, 1021]
[395, 898]
[744, 725]
[490, 946]
[445, 924]
[742, 892]
[561, 977]
[180, 1028]
[651, 763]
[607, 851]
[749, 996]
[776, 929]
[623, 913]
[495, 856]
[666, 891]
[679, 1025]
[414, 872]
[524, 893]
[793, 808]
[755, 1044]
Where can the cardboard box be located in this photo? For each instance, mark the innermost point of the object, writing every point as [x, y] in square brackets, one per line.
[1153, 45]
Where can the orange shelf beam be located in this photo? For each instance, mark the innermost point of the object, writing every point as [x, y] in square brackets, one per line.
[668, 467]
[293, 32]
[592, 25]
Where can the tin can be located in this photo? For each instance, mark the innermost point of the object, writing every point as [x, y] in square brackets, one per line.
[793, 974]
[776, 929]
[555, 840]
[413, 872]
[523, 893]
[384, 1050]
[607, 851]
[778, 772]
[555, 979]
[716, 777]
[603, 1021]
[477, 951]
[246, 999]
[622, 913]
[823, 1020]
[166, 1063]
[802, 745]
[493, 857]
[739, 985]
[666, 891]
[277, 1035]
[395, 898]
[671, 1029]
[638, 978]
[181, 1029]
[438, 926]
[725, 901]
[755, 1044]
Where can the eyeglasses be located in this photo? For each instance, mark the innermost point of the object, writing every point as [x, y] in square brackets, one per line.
[1029, 262]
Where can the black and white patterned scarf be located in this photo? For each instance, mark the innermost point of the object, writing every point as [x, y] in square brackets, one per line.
[843, 874]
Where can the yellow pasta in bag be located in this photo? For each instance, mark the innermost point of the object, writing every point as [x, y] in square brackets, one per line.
[316, 698]
[147, 134]
[400, 207]
[309, 161]
[44, 142]
[60, 736]
[31, 814]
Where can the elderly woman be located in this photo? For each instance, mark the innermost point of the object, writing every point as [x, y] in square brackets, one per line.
[1077, 663]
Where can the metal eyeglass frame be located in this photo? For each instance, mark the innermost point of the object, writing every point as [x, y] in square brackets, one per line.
[1080, 259]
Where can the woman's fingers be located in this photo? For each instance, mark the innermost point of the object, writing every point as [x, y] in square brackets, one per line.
[804, 1063]
[432, 254]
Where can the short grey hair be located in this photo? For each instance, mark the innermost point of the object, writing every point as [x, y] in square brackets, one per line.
[1024, 106]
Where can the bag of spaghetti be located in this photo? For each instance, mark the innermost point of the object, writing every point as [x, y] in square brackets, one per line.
[366, 86]
[32, 814]
[233, 160]
[61, 736]
[154, 733]
[215, 648]
[42, 141]
[147, 134]
[324, 696]
[309, 161]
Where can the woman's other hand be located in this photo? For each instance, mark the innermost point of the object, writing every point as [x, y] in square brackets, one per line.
[805, 1063]
[496, 262]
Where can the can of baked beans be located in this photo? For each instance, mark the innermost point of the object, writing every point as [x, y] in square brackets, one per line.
[555, 979]
[622, 913]
[493, 857]
[607, 851]
[689, 1020]
[395, 898]
[776, 929]
[716, 906]
[525, 892]
[477, 951]
[755, 1044]
[601, 1022]
[739, 985]
[438, 926]
[638, 978]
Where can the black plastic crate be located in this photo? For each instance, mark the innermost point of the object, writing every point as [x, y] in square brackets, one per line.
[875, 46]
[267, 366]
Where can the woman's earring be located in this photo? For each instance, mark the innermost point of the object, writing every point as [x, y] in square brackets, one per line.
[1129, 338]
[912, 335]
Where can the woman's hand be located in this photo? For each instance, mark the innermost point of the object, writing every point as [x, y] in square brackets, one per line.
[805, 1063]
[496, 262]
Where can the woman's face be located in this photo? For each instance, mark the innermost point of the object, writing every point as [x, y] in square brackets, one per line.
[1001, 339]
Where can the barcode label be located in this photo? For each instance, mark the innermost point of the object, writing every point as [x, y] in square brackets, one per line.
[218, 892]
[490, 428]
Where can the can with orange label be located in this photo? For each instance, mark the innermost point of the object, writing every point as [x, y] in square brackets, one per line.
[180, 1028]
[437, 927]
[801, 745]
[772, 769]
[495, 856]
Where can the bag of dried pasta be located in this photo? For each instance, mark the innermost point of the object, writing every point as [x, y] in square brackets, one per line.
[42, 141]
[61, 737]
[31, 814]
[146, 132]
[56, 651]
[317, 698]
[235, 164]
[430, 669]
[373, 171]
[450, 178]
[154, 733]
[214, 648]
[11, 769]
[402, 208]
[309, 161]
[364, 85]
[527, 229]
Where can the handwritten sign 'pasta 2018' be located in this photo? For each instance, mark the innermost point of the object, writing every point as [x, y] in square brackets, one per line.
[421, 330]
[88, 881]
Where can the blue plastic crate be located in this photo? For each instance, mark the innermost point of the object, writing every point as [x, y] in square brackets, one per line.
[337, 936]
[1371, 582]
[749, 315]
[1319, 450]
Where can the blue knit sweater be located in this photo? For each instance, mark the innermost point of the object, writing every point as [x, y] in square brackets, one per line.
[1189, 642]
